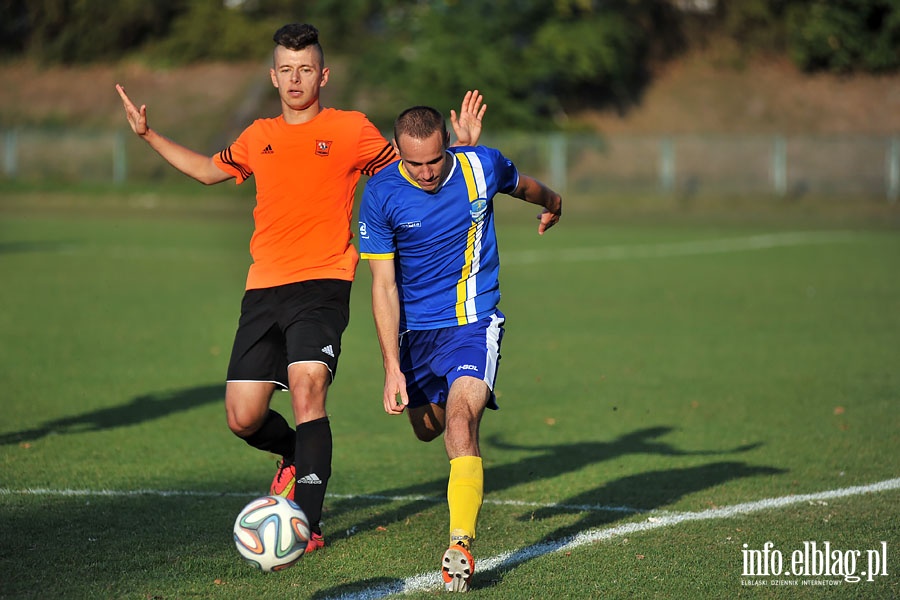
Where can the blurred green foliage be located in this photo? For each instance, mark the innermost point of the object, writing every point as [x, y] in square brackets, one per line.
[206, 30]
[534, 59]
[81, 31]
[530, 57]
[845, 35]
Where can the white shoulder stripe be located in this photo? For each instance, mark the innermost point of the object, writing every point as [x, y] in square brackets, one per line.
[478, 172]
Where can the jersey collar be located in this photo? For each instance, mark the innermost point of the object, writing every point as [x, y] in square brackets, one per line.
[454, 162]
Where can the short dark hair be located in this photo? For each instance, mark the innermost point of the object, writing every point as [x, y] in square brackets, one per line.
[297, 36]
[420, 122]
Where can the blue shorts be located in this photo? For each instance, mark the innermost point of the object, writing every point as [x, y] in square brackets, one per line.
[433, 359]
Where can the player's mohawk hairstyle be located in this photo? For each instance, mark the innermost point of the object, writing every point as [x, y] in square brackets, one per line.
[296, 36]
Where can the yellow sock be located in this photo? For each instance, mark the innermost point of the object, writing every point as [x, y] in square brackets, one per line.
[465, 493]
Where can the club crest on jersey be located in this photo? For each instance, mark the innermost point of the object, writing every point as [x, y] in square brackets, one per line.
[477, 208]
[323, 147]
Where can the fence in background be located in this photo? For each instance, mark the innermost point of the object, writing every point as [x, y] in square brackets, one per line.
[574, 164]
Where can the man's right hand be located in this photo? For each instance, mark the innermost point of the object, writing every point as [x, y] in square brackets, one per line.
[394, 386]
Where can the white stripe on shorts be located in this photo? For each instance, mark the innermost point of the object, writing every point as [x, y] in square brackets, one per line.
[493, 350]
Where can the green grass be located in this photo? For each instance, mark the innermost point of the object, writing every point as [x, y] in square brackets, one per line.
[671, 383]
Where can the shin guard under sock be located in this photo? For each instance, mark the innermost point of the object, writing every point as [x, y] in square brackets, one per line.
[312, 461]
[465, 494]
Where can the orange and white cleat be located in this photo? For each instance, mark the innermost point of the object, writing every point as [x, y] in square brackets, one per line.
[283, 484]
[316, 542]
[457, 568]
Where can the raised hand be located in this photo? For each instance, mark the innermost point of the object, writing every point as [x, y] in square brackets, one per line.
[467, 124]
[137, 118]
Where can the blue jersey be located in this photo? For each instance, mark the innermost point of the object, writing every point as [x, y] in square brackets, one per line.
[443, 243]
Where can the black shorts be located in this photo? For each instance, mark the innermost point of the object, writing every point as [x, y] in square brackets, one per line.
[297, 322]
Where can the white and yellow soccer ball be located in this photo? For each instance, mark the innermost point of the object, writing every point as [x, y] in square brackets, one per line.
[271, 533]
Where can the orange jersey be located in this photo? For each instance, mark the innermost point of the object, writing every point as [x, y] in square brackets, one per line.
[306, 177]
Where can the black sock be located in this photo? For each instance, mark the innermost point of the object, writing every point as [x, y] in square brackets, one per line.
[313, 464]
[275, 436]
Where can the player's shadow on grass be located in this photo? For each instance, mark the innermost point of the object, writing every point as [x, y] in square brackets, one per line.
[551, 462]
[565, 458]
[26, 247]
[117, 546]
[600, 505]
[644, 491]
[138, 410]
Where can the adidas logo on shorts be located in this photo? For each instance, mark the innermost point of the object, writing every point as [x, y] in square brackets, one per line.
[328, 350]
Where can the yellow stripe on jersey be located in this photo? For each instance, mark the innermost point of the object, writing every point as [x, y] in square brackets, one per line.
[468, 172]
[406, 176]
[372, 256]
[464, 288]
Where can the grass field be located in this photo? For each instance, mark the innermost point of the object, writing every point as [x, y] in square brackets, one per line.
[673, 394]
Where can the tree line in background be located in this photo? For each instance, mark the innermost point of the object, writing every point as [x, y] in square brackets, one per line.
[536, 60]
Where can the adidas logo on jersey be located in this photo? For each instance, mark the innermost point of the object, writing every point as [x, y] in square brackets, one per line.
[311, 479]
[268, 149]
[328, 350]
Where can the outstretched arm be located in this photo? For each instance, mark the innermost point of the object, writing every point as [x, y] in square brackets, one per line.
[386, 310]
[200, 167]
[467, 125]
[533, 191]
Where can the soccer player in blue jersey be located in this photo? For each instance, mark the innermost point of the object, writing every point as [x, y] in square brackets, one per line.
[427, 229]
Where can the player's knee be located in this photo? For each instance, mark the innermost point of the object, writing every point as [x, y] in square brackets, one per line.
[308, 379]
[426, 435]
[426, 426]
[246, 406]
[308, 406]
[427, 422]
[462, 424]
[244, 423]
[242, 427]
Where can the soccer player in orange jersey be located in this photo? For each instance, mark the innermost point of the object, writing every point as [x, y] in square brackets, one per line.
[307, 163]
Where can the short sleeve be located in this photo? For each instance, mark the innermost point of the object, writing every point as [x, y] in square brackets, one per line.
[234, 159]
[376, 239]
[375, 152]
[505, 172]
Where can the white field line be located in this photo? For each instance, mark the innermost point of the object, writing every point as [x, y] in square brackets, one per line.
[672, 249]
[496, 501]
[123, 493]
[432, 581]
[374, 497]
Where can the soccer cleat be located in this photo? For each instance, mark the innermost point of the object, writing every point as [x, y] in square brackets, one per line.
[457, 568]
[283, 484]
[316, 542]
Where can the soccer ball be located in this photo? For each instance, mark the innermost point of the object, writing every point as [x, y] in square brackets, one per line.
[271, 533]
